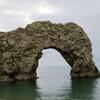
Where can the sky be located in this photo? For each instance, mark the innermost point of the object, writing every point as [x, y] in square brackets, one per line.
[86, 13]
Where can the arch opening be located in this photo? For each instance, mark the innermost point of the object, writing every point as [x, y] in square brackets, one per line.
[52, 57]
[51, 62]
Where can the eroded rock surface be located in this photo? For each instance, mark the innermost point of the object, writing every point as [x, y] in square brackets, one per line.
[21, 49]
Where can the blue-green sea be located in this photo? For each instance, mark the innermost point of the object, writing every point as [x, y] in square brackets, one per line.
[54, 83]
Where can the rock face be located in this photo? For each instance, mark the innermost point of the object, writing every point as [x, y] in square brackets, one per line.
[21, 49]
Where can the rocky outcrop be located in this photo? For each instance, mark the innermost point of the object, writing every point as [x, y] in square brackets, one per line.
[21, 49]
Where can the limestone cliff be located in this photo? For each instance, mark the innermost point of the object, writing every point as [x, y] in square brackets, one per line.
[21, 49]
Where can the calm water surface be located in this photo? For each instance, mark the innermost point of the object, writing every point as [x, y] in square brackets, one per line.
[54, 83]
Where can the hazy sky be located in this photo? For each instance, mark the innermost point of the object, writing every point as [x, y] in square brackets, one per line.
[86, 13]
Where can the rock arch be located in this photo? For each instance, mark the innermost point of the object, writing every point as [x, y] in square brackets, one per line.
[21, 49]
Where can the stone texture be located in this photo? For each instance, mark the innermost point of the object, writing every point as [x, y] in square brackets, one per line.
[21, 49]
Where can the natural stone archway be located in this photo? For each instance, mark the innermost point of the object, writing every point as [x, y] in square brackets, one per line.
[21, 49]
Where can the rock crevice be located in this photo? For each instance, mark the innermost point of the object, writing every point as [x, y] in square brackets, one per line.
[21, 49]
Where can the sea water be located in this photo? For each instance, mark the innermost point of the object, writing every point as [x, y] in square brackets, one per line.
[53, 83]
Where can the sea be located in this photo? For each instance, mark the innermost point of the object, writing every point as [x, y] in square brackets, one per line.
[53, 83]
